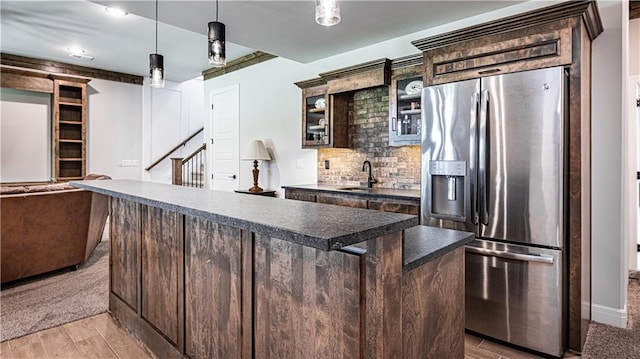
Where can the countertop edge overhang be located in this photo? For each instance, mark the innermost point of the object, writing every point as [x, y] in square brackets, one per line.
[376, 192]
[423, 244]
[321, 226]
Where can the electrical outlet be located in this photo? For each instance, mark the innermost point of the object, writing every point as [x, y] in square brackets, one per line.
[126, 163]
[326, 164]
[300, 164]
[135, 163]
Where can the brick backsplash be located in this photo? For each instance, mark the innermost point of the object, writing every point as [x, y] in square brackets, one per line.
[393, 167]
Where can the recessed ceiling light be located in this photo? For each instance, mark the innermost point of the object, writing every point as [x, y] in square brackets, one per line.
[78, 53]
[117, 12]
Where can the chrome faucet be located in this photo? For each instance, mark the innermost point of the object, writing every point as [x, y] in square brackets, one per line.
[370, 180]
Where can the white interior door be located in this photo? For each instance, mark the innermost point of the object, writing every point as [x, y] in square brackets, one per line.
[636, 265]
[224, 118]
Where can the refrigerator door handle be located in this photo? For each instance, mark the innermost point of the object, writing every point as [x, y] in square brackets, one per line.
[539, 258]
[473, 156]
[482, 157]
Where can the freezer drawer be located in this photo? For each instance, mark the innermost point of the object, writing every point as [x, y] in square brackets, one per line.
[515, 293]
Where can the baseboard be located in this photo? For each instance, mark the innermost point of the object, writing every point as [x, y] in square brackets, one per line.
[610, 316]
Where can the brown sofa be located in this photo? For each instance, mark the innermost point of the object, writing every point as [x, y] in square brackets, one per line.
[48, 227]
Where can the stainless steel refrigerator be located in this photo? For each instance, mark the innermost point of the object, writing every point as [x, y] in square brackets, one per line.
[493, 155]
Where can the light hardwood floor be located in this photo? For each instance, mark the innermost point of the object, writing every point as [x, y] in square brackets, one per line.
[93, 337]
[101, 337]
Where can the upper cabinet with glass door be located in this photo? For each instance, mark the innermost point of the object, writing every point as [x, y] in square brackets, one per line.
[316, 126]
[405, 100]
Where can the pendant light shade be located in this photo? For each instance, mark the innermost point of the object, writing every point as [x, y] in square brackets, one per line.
[217, 49]
[217, 53]
[156, 70]
[327, 12]
[156, 62]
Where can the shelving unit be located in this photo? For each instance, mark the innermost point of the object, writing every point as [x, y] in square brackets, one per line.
[69, 123]
[405, 114]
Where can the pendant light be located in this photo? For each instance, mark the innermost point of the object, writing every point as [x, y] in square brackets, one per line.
[327, 12]
[216, 35]
[156, 62]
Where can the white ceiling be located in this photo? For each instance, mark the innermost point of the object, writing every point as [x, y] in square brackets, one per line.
[45, 29]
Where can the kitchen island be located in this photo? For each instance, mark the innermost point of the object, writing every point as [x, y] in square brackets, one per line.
[197, 273]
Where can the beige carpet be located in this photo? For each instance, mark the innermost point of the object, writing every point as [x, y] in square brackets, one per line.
[604, 341]
[57, 298]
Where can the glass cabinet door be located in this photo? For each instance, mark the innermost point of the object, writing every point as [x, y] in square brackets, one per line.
[316, 121]
[405, 120]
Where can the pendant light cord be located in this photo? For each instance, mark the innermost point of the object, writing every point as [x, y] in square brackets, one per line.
[156, 26]
[216, 10]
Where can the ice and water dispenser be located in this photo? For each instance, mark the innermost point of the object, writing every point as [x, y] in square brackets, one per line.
[447, 189]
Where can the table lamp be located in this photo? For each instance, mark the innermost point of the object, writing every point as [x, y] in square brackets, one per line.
[256, 151]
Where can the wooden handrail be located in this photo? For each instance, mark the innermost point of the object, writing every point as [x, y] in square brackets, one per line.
[173, 149]
[201, 148]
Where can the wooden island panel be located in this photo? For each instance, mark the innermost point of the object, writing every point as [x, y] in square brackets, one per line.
[161, 284]
[212, 290]
[307, 301]
[433, 291]
[125, 251]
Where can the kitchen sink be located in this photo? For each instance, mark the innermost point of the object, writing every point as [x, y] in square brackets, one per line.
[356, 189]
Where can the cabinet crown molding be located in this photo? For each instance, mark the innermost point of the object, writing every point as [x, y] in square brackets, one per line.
[407, 61]
[383, 64]
[586, 9]
[318, 81]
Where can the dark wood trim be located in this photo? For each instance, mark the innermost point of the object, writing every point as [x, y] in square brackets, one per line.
[407, 61]
[238, 64]
[22, 79]
[59, 68]
[634, 9]
[588, 10]
[379, 64]
[311, 83]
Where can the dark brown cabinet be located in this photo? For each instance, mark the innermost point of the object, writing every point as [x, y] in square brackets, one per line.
[379, 203]
[320, 126]
[405, 100]
[328, 104]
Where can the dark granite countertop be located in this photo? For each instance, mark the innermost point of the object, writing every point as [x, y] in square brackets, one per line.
[315, 225]
[423, 244]
[361, 191]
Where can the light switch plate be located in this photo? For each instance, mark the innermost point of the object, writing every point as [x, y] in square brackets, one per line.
[300, 164]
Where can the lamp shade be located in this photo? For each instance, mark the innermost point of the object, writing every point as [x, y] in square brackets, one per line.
[256, 151]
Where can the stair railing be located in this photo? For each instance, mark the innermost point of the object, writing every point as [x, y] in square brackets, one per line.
[174, 149]
[190, 170]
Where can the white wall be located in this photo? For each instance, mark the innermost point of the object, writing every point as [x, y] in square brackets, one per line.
[608, 245]
[270, 111]
[170, 115]
[114, 128]
[25, 136]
